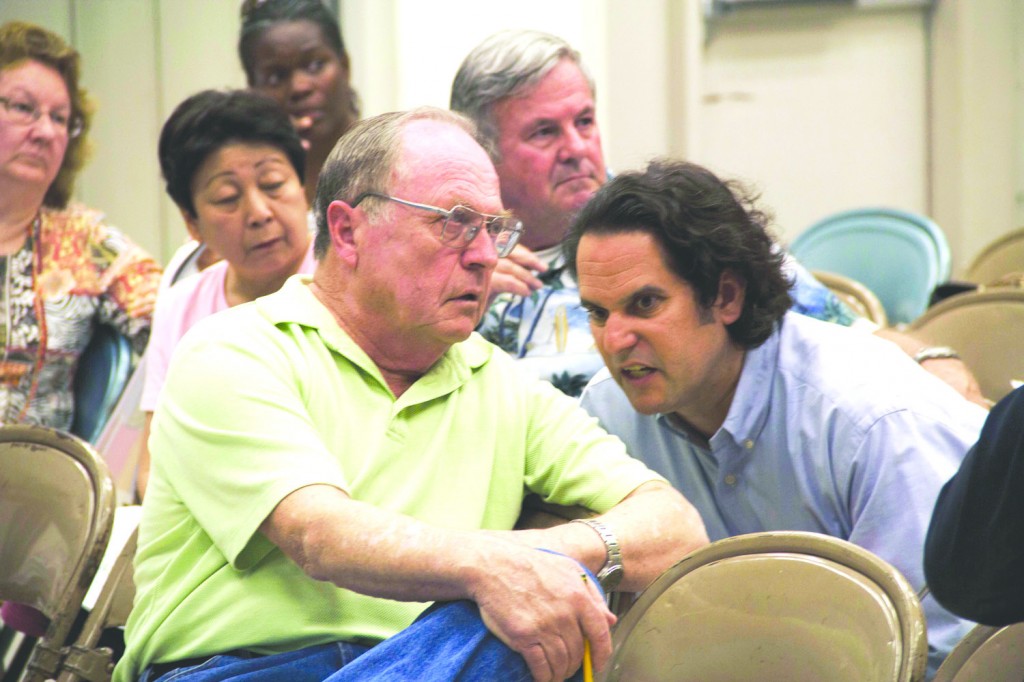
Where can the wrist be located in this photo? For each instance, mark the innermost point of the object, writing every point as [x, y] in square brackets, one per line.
[611, 572]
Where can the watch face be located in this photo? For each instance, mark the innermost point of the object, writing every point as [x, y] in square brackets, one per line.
[610, 577]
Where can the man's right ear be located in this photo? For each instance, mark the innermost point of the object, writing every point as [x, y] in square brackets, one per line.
[341, 225]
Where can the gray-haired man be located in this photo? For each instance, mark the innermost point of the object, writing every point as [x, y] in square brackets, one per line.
[533, 101]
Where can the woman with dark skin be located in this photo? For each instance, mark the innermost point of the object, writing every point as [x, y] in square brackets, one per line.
[292, 51]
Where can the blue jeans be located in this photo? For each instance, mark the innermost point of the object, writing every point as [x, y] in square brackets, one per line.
[449, 642]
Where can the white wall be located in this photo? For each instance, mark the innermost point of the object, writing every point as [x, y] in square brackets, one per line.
[405, 52]
[977, 104]
[822, 107]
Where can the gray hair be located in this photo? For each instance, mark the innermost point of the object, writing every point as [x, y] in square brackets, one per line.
[504, 65]
[363, 161]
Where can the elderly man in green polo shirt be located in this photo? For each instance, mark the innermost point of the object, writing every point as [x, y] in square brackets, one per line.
[330, 458]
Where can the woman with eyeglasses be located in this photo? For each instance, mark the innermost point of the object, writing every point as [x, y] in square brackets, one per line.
[64, 270]
[234, 165]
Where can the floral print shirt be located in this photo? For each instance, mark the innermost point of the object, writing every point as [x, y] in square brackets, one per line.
[72, 273]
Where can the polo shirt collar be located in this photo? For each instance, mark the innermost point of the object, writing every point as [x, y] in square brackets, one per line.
[296, 304]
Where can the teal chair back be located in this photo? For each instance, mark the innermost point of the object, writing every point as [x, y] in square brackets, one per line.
[103, 371]
[899, 256]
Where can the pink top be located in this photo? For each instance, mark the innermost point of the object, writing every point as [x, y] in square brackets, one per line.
[178, 308]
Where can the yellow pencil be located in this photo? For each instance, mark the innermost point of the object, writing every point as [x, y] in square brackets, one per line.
[588, 665]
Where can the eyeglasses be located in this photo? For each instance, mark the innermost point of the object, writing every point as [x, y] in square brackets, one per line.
[23, 112]
[462, 223]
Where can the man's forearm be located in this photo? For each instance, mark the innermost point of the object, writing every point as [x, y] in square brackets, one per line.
[532, 601]
[654, 525]
[953, 371]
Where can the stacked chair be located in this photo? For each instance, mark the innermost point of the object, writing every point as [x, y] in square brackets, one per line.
[86, 660]
[898, 255]
[854, 294]
[56, 513]
[986, 327]
[1001, 257]
[986, 654]
[104, 368]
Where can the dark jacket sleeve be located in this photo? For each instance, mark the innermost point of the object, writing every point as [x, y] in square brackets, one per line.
[974, 552]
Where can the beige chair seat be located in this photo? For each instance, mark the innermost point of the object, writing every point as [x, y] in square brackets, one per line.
[1001, 257]
[986, 654]
[987, 328]
[56, 512]
[854, 294]
[799, 607]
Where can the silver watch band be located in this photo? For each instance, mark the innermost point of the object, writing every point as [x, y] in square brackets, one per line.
[935, 353]
[611, 573]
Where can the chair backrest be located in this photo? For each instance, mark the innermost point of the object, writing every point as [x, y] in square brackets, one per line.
[899, 256]
[103, 371]
[56, 511]
[773, 606]
[986, 328]
[1000, 257]
[986, 654]
[854, 294]
[85, 660]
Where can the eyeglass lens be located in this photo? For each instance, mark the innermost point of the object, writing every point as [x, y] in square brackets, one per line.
[24, 112]
[464, 223]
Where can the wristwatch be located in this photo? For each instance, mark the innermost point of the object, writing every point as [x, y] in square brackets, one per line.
[935, 353]
[611, 573]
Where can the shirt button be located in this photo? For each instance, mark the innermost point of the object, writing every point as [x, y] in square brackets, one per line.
[748, 444]
[730, 479]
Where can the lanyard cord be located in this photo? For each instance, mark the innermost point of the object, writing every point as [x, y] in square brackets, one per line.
[40, 314]
[40, 310]
[548, 279]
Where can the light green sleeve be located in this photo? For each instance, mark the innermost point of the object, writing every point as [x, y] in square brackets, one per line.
[570, 459]
[233, 433]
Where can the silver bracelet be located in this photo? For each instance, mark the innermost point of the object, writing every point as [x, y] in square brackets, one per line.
[935, 353]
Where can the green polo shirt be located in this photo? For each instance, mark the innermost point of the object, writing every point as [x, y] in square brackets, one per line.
[271, 396]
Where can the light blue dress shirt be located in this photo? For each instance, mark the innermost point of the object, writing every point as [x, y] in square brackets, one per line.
[832, 431]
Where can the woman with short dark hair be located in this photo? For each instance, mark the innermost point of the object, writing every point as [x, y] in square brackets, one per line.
[234, 166]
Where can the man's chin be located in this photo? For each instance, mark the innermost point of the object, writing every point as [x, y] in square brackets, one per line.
[574, 194]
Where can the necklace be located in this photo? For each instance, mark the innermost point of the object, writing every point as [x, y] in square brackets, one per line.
[7, 306]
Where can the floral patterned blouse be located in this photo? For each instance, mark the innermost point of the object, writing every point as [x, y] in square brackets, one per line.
[73, 272]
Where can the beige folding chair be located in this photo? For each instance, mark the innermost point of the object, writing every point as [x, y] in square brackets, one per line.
[56, 511]
[987, 328]
[1001, 257]
[791, 606]
[85, 659]
[986, 654]
[854, 294]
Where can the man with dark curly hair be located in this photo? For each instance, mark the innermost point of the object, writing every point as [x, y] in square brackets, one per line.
[763, 418]
[533, 99]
